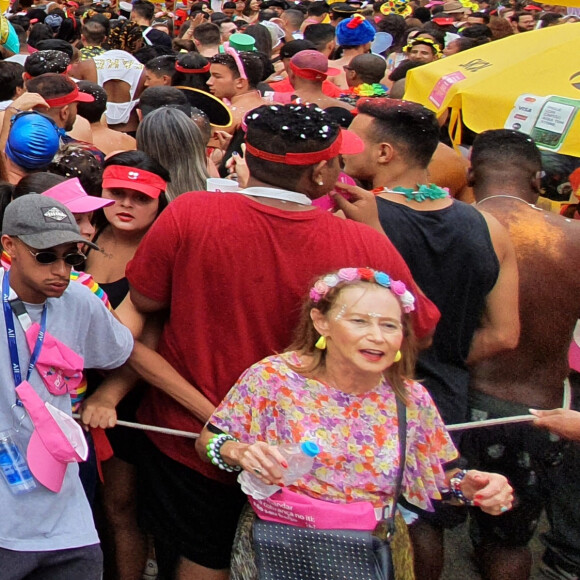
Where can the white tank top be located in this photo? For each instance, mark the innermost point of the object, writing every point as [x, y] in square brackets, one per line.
[122, 66]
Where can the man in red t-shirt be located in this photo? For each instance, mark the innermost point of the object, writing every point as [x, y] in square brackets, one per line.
[233, 270]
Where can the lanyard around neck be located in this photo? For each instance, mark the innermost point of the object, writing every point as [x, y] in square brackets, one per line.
[24, 319]
[279, 194]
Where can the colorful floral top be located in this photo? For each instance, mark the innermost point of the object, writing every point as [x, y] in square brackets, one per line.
[357, 434]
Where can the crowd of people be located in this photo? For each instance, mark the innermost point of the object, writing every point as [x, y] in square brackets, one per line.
[226, 234]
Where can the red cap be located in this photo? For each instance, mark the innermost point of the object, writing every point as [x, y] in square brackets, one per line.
[347, 143]
[444, 20]
[120, 176]
[312, 65]
[532, 8]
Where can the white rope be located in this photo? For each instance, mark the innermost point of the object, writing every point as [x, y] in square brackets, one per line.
[455, 427]
[142, 427]
[566, 402]
[490, 422]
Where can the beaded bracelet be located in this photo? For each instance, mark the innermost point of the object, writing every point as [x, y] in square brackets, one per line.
[213, 452]
[455, 485]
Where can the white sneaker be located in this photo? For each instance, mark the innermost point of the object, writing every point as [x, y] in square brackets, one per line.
[151, 570]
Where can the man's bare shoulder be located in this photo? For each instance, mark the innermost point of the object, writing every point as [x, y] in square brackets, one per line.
[448, 168]
[109, 140]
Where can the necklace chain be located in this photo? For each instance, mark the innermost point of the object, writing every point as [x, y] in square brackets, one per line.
[508, 197]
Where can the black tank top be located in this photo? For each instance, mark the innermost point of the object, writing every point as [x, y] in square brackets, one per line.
[117, 290]
[451, 257]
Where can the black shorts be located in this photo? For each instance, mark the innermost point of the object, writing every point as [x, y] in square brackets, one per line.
[542, 469]
[195, 515]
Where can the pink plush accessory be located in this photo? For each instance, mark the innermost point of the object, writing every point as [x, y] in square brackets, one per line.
[60, 367]
[326, 202]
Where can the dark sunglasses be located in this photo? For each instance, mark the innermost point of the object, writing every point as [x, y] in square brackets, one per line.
[46, 257]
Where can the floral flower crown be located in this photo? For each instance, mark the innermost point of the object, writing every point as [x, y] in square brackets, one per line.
[421, 40]
[323, 286]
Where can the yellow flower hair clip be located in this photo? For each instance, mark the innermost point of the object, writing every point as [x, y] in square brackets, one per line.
[421, 40]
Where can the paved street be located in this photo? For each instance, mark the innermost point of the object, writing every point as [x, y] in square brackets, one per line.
[458, 563]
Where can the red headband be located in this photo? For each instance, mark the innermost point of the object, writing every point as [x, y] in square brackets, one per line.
[299, 158]
[183, 69]
[308, 73]
[120, 176]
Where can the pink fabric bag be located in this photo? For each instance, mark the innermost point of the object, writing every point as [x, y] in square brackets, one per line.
[60, 367]
[56, 441]
[288, 507]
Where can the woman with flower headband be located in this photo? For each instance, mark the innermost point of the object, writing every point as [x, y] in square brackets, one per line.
[345, 384]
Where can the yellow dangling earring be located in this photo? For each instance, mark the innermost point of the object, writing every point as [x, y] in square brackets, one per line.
[398, 356]
[321, 343]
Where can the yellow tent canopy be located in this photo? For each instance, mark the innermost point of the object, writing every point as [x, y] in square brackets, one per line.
[570, 3]
[506, 78]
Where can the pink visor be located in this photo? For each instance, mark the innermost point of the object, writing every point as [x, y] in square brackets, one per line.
[122, 177]
[56, 441]
[72, 194]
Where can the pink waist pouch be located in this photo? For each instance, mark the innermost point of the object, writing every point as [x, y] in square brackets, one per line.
[295, 509]
[60, 367]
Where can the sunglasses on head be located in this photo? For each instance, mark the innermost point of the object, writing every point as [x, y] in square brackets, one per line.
[46, 257]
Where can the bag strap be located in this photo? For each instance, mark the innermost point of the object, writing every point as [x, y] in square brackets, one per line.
[402, 421]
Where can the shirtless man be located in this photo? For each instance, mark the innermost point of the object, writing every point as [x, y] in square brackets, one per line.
[105, 139]
[505, 179]
[119, 73]
[354, 36]
[308, 70]
[234, 80]
[448, 169]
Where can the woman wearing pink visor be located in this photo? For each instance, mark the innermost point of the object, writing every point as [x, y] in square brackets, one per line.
[72, 194]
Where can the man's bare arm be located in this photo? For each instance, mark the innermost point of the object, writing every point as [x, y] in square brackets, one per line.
[500, 326]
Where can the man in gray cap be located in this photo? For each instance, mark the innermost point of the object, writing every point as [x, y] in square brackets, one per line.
[48, 323]
[46, 519]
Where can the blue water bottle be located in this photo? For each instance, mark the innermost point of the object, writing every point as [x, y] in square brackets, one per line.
[13, 466]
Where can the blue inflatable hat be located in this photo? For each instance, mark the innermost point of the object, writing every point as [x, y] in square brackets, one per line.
[33, 140]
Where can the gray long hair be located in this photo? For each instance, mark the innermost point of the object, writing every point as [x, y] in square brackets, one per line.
[174, 140]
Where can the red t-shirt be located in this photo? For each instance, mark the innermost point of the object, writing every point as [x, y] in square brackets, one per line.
[285, 86]
[234, 273]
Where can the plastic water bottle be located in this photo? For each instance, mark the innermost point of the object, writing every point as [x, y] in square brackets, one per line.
[13, 466]
[299, 456]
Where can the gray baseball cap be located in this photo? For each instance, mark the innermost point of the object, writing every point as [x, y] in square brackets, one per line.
[41, 222]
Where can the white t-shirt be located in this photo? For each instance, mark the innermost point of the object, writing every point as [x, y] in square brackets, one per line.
[42, 520]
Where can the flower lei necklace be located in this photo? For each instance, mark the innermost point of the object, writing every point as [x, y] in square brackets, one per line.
[423, 192]
[368, 90]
